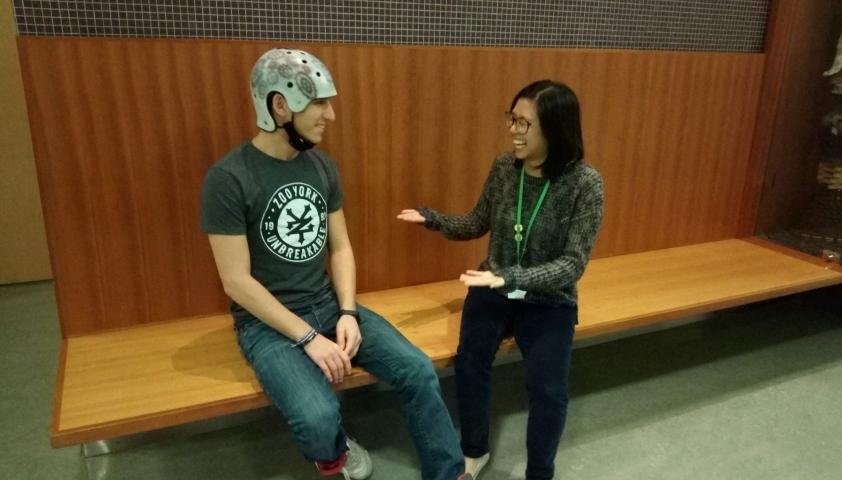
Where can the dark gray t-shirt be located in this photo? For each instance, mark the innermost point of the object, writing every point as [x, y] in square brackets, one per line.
[281, 207]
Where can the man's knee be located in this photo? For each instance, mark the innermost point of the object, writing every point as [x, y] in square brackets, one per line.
[317, 424]
[417, 372]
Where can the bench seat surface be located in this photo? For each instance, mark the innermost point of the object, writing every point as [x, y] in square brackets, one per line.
[148, 377]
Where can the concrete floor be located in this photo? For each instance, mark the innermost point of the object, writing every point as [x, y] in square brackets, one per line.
[749, 393]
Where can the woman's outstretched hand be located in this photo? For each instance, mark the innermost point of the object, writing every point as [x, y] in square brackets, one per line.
[474, 278]
[411, 216]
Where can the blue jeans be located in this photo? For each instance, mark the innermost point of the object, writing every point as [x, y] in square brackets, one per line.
[299, 389]
[544, 335]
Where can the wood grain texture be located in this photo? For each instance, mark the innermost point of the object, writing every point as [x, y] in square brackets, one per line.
[126, 129]
[775, 51]
[627, 291]
[795, 96]
[153, 376]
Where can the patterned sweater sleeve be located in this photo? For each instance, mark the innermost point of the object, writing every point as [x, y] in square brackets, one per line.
[474, 224]
[550, 277]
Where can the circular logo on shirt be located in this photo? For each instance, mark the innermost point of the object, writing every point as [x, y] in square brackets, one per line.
[294, 225]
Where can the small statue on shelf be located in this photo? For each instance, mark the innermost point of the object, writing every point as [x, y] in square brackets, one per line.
[830, 168]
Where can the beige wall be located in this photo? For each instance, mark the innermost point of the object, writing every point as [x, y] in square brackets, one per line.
[23, 243]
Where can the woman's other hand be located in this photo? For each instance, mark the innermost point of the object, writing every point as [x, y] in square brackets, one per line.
[411, 216]
[474, 278]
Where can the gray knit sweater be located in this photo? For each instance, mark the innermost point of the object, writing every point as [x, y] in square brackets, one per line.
[562, 236]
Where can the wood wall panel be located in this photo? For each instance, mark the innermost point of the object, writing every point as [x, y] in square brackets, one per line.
[134, 124]
[801, 46]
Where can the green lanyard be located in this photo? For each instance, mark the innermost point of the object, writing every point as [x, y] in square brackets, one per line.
[518, 223]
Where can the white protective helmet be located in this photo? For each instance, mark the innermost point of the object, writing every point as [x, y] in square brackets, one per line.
[299, 76]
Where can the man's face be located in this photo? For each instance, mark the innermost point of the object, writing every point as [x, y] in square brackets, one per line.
[312, 121]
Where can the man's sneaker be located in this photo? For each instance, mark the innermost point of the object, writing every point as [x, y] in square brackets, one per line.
[353, 464]
[357, 463]
[474, 465]
[329, 469]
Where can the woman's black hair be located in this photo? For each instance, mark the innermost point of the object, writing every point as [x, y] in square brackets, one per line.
[558, 113]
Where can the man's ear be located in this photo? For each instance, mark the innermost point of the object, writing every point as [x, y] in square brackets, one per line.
[280, 109]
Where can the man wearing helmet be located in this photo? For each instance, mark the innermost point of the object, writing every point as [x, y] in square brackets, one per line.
[272, 209]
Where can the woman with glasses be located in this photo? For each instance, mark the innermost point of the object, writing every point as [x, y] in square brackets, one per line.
[542, 205]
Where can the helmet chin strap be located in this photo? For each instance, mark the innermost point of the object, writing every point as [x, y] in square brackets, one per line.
[295, 139]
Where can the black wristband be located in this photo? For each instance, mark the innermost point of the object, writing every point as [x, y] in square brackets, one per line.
[352, 313]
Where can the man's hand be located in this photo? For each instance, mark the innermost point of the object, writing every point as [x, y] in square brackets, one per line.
[334, 363]
[474, 278]
[348, 335]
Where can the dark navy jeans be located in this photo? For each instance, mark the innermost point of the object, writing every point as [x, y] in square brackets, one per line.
[544, 335]
[299, 389]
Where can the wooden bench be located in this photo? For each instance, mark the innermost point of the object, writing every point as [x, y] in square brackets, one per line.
[144, 378]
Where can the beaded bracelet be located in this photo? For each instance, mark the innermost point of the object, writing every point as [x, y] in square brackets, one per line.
[307, 338]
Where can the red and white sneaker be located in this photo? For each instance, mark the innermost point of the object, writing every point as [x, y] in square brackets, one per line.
[353, 464]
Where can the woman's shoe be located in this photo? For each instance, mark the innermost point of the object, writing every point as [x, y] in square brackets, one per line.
[474, 465]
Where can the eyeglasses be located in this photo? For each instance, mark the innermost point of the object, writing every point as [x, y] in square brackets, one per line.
[521, 124]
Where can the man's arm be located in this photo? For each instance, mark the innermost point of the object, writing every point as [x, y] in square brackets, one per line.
[233, 262]
[342, 265]
[344, 273]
